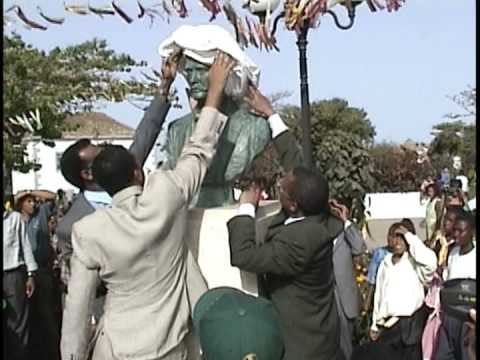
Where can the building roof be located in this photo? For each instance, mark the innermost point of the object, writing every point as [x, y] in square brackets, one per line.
[96, 125]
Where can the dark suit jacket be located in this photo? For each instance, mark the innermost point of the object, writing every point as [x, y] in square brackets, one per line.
[296, 268]
[348, 244]
[144, 139]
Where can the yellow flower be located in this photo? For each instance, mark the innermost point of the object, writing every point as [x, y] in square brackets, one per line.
[360, 279]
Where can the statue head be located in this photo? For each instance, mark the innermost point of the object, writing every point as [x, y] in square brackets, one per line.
[196, 76]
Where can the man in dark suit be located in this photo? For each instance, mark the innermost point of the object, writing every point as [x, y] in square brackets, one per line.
[76, 165]
[295, 262]
[346, 246]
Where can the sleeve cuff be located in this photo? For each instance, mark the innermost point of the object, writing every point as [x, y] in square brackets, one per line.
[409, 237]
[246, 209]
[347, 224]
[277, 126]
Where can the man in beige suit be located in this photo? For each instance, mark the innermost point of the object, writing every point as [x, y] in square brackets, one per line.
[136, 247]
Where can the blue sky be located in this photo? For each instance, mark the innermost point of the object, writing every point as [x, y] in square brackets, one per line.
[400, 67]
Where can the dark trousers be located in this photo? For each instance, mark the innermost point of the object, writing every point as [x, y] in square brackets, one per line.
[405, 337]
[451, 340]
[16, 313]
[44, 320]
[347, 327]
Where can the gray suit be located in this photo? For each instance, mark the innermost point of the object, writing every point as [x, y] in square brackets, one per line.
[348, 244]
[137, 248]
[144, 139]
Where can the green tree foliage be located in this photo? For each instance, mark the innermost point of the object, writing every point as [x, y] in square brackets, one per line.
[58, 83]
[331, 115]
[457, 137]
[396, 169]
[341, 136]
[454, 138]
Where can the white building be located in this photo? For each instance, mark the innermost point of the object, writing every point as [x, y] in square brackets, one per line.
[96, 126]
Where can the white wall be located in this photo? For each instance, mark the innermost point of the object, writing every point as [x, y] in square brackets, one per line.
[49, 176]
[394, 205]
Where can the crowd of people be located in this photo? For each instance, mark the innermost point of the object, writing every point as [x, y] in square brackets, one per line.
[115, 279]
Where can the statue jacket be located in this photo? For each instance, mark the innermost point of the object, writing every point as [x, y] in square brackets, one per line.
[245, 136]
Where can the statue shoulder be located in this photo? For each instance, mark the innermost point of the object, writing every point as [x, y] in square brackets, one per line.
[180, 124]
[257, 124]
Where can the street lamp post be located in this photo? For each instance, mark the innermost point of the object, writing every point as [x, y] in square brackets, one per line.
[304, 93]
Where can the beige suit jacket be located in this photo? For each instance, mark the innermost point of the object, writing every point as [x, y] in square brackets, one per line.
[137, 248]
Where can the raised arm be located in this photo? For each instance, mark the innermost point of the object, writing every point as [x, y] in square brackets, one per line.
[147, 131]
[425, 260]
[353, 237]
[284, 141]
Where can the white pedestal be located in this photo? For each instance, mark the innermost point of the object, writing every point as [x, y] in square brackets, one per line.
[207, 238]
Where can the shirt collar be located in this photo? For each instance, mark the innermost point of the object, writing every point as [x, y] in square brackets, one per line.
[291, 220]
[97, 198]
[126, 193]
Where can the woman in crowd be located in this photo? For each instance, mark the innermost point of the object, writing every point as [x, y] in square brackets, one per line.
[433, 209]
[398, 315]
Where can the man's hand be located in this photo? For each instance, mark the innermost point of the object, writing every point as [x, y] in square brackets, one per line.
[251, 196]
[169, 71]
[29, 287]
[258, 103]
[217, 77]
[339, 210]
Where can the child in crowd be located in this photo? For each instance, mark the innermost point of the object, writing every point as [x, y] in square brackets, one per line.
[440, 243]
[462, 259]
[377, 256]
[398, 314]
[462, 264]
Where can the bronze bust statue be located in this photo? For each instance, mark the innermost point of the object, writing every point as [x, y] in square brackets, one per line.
[244, 137]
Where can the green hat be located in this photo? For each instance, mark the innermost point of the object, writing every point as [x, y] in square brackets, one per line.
[235, 326]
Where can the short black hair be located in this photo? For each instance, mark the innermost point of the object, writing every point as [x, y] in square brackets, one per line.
[71, 164]
[435, 188]
[408, 223]
[113, 169]
[468, 218]
[394, 227]
[311, 191]
[457, 210]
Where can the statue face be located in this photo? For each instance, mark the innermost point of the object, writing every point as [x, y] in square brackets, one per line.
[196, 75]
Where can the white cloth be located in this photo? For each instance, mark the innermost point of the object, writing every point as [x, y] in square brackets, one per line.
[246, 209]
[277, 126]
[201, 44]
[462, 266]
[463, 179]
[399, 289]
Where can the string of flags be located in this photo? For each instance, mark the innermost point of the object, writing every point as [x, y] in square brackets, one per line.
[253, 31]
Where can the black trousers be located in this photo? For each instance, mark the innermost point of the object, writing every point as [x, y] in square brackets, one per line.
[44, 320]
[405, 337]
[16, 313]
[451, 340]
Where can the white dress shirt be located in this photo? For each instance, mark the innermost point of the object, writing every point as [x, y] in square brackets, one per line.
[17, 249]
[462, 266]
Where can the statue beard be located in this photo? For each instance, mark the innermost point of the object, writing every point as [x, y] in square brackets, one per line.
[235, 89]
